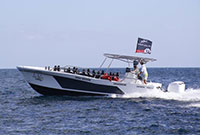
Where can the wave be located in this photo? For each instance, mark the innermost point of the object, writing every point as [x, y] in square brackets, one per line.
[197, 105]
[188, 95]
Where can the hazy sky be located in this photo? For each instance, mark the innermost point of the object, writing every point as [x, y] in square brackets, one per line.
[78, 32]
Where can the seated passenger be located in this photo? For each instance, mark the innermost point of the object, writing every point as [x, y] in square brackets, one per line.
[109, 78]
[112, 78]
[55, 68]
[74, 70]
[98, 75]
[58, 68]
[105, 76]
[93, 73]
[116, 77]
[111, 74]
[77, 70]
[83, 72]
[68, 70]
[117, 74]
[102, 72]
[88, 73]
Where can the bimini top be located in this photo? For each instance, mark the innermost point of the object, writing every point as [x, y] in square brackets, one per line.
[128, 59]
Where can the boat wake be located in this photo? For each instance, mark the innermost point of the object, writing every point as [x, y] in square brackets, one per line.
[188, 95]
[196, 105]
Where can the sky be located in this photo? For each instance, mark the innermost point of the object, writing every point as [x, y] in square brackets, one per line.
[79, 32]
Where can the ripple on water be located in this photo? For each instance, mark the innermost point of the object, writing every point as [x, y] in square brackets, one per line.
[23, 111]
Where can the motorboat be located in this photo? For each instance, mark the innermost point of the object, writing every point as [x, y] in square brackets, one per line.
[68, 81]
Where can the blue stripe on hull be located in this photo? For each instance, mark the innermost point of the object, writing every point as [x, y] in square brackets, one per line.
[51, 91]
[69, 83]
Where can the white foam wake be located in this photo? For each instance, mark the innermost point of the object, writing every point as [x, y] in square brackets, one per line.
[197, 105]
[188, 95]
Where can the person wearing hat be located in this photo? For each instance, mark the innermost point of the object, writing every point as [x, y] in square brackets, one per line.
[143, 71]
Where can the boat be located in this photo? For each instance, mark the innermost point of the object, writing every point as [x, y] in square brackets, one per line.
[68, 81]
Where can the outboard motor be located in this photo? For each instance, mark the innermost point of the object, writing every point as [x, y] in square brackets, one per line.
[177, 87]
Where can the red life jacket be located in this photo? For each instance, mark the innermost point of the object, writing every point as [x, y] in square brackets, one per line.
[105, 76]
[109, 78]
[116, 79]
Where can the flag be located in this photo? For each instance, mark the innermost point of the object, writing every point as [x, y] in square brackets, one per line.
[143, 46]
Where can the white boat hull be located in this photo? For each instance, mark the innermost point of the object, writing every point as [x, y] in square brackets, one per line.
[48, 82]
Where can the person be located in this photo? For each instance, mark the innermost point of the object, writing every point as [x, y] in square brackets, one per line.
[74, 70]
[83, 72]
[98, 75]
[77, 71]
[68, 70]
[88, 73]
[143, 72]
[104, 76]
[116, 77]
[93, 73]
[135, 69]
[55, 68]
[117, 74]
[128, 70]
[64, 69]
[102, 72]
[58, 68]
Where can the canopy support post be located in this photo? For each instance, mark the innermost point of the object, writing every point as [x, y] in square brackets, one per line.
[103, 62]
[109, 65]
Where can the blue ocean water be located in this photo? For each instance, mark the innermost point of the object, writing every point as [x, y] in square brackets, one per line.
[23, 111]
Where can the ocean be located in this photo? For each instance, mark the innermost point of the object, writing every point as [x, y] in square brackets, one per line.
[25, 112]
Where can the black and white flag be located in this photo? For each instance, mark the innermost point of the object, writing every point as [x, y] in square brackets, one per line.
[143, 46]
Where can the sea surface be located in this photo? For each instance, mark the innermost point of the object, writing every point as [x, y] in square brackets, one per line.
[25, 112]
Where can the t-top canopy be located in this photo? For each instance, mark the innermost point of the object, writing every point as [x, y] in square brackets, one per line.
[128, 59]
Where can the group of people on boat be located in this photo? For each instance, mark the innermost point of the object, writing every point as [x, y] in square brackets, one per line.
[141, 73]
[99, 74]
